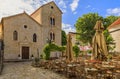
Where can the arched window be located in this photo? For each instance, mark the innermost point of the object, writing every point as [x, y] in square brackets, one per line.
[34, 37]
[15, 35]
[52, 36]
[52, 20]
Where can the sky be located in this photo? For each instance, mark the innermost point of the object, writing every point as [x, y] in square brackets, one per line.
[72, 9]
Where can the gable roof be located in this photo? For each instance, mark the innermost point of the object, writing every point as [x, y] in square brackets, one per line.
[45, 5]
[19, 15]
[117, 22]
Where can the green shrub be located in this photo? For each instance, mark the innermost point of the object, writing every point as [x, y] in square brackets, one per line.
[51, 47]
[76, 50]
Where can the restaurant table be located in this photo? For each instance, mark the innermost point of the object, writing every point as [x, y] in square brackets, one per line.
[91, 72]
[108, 66]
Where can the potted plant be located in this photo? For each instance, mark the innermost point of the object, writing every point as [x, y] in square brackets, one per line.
[32, 57]
[41, 56]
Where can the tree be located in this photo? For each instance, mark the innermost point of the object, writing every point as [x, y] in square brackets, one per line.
[85, 25]
[109, 20]
[76, 50]
[64, 38]
[109, 40]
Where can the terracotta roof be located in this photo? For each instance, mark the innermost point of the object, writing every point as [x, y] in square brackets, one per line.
[117, 22]
[44, 5]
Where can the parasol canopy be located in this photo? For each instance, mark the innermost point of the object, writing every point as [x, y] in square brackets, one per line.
[69, 53]
[98, 43]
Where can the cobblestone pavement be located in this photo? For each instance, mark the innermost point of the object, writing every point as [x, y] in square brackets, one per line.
[24, 70]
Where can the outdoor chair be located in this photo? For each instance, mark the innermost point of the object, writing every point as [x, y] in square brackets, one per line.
[47, 65]
[80, 72]
[63, 68]
[55, 67]
[71, 71]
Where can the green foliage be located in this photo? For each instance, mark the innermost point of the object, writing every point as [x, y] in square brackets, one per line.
[85, 24]
[64, 38]
[76, 50]
[109, 40]
[89, 51]
[109, 20]
[108, 37]
[51, 47]
[109, 56]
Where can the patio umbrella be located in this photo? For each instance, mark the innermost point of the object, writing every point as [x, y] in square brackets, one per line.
[69, 53]
[98, 43]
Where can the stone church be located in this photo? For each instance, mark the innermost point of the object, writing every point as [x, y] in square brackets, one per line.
[25, 35]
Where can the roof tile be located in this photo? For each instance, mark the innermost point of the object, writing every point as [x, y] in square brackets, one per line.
[117, 22]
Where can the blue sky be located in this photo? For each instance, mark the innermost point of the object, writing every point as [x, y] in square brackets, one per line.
[72, 9]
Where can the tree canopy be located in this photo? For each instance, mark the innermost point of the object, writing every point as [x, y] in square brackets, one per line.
[109, 20]
[64, 38]
[85, 26]
[76, 50]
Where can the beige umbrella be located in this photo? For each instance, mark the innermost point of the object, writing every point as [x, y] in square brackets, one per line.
[69, 53]
[98, 43]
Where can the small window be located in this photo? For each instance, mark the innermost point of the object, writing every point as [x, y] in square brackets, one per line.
[25, 26]
[15, 35]
[51, 7]
[52, 36]
[34, 37]
[52, 21]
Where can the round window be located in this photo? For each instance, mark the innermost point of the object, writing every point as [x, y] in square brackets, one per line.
[25, 26]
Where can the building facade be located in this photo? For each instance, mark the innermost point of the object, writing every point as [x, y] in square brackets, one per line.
[25, 35]
[114, 30]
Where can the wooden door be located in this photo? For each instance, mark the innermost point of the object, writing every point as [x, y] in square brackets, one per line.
[25, 52]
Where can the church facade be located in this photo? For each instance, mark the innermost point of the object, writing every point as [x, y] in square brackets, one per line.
[25, 35]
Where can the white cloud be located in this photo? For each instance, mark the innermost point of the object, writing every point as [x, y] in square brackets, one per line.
[68, 28]
[114, 11]
[62, 5]
[74, 12]
[11, 7]
[88, 6]
[74, 5]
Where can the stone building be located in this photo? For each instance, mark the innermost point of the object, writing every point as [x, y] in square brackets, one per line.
[114, 30]
[25, 35]
[73, 37]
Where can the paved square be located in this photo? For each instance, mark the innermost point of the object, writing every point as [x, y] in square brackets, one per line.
[24, 70]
